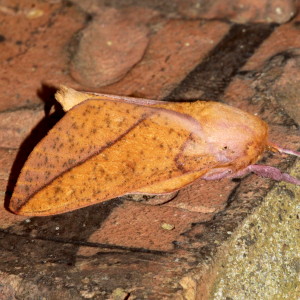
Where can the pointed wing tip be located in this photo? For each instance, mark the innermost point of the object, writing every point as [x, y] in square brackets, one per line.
[15, 207]
[12, 209]
[18, 206]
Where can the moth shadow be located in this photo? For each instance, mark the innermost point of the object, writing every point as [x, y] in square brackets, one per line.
[46, 94]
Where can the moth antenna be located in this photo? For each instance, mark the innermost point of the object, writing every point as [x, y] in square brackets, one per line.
[275, 148]
[291, 152]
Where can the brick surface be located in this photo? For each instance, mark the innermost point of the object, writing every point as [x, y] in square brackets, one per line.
[125, 249]
[33, 47]
[173, 51]
[283, 38]
[240, 11]
[105, 53]
[15, 126]
[131, 226]
[271, 73]
[213, 195]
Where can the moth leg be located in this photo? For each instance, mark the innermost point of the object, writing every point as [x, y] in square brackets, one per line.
[269, 172]
[152, 199]
[260, 170]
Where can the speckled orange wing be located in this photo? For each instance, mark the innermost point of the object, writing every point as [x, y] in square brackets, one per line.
[103, 149]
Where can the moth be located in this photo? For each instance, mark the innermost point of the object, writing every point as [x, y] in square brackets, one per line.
[107, 146]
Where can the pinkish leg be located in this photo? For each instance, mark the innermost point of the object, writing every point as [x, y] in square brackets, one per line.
[271, 172]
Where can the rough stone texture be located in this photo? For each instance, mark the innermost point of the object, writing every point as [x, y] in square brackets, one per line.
[264, 260]
[14, 287]
[190, 247]
[109, 47]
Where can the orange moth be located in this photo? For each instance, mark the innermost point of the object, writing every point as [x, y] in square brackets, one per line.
[108, 146]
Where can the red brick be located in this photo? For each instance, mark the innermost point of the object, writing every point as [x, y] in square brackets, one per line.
[141, 226]
[109, 47]
[7, 157]
[175, 49]
[283, 38]
[15, 126]
[276, 64]
[240, 11]
[6, 161]
[35, 53]
[203, 196]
